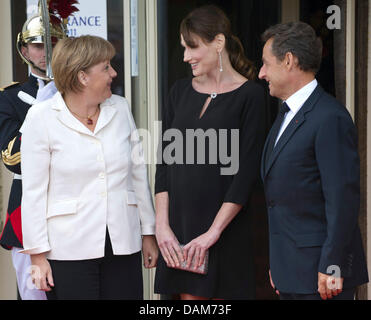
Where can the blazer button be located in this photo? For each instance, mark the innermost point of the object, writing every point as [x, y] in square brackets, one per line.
[271, 204]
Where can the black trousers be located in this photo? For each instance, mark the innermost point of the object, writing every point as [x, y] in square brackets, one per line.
[113, 277]
[346, 294]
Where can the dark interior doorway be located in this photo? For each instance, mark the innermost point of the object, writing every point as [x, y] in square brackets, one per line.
[315, 13]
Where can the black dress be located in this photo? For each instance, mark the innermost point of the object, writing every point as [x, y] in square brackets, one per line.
[197, 187]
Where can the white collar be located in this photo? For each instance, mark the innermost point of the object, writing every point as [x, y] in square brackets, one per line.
[296, 101]
[59, 103]
[108, 110]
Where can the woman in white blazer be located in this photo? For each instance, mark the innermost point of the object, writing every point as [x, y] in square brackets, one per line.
[86, 208]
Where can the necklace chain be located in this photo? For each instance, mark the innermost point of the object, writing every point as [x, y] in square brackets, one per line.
[88, 118]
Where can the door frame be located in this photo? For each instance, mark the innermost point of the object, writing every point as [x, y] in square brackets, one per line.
[8, 287]
[148, 107]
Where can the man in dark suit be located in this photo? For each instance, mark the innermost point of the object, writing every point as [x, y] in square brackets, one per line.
[311, 174]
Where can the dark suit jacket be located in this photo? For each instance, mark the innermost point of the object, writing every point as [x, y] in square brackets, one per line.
[312, 187]
[12, 114]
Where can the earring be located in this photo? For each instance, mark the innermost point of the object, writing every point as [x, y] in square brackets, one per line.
[220, 62]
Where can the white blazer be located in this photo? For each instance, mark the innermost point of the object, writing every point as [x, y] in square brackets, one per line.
[76, 182]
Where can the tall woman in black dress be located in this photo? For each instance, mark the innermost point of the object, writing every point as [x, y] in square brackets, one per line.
[202, 203]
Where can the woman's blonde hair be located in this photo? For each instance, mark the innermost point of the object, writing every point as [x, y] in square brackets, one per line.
[72, 55]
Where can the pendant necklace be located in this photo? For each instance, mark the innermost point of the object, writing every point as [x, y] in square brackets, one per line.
[88, 119]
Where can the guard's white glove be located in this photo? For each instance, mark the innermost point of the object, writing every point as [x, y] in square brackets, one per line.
[46, 92]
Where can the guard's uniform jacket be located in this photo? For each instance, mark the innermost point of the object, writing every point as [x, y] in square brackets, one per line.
[12, 114]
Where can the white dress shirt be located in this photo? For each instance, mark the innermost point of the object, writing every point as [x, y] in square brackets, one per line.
[295, 102]
[76, 183]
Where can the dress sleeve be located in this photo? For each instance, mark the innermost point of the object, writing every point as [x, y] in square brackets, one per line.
[35, 180]
[139, 179]
[251, 141]
[339, 165]
[167, 119]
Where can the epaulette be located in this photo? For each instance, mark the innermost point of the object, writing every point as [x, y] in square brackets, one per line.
[13, 84]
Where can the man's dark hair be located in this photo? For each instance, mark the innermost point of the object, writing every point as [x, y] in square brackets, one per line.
[298, 38]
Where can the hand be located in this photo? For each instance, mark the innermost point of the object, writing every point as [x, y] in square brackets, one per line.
[41, 272]
[272, 284]
[329, 286]
[197, 247]
[46, 92]
[169, 245]
[149, 251]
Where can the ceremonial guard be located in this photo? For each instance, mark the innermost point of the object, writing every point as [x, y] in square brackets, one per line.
[15, 100]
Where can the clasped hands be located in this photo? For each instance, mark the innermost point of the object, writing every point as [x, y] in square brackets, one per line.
[196, 249]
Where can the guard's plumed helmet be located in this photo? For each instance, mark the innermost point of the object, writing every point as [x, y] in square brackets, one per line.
[33, 29]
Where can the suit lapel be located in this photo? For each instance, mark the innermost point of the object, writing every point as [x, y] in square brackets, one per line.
[264, 154]
[293, 126]
[65, 116]
[295, 123]
[107, 111]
